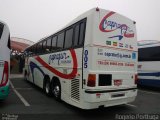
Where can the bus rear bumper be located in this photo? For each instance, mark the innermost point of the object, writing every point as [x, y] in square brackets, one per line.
[4, 91]
[109, 103]
[109, 99]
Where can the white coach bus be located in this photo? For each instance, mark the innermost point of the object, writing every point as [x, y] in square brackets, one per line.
[91, 62]
[4, 60]
[149, 61]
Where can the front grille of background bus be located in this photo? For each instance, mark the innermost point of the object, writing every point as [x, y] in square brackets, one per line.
[75, 89]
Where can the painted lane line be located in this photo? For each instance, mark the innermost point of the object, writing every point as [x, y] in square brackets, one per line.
[156, 93]
[19, 95]
[23, 88]
[132, 105]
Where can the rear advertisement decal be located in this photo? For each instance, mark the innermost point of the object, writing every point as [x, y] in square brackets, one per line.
[109, 25]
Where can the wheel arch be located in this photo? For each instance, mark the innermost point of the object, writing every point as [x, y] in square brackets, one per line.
[55, 80]
[45, 79]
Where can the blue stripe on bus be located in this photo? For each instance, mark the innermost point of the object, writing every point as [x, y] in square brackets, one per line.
[149, 74]
[33, 66]
[149, 82]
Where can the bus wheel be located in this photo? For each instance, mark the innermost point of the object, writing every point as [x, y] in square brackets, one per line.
[47, 88]
[56, 90]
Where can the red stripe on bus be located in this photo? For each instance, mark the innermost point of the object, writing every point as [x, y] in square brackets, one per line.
[58, 73]
[107, 16]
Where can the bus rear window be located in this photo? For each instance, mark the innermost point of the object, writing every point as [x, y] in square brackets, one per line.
[1, 29]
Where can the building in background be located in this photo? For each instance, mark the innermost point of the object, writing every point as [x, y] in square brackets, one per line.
[17, 47]
[19, 44]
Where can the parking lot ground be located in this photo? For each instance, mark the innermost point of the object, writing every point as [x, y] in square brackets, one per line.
[41, 107]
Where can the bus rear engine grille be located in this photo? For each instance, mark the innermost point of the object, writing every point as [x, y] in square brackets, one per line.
[75, 89]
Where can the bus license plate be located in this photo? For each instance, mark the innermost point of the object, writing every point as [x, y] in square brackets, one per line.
[118, 95]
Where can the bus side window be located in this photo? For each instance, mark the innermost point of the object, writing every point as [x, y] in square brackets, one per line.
[68, 38]
[54, 43]
[30, 51]
[40, 48]
[60, 41]
[76, 36]
[34, 49]
[48, 46]
[81, 36]
[149, 54]
[44, 47]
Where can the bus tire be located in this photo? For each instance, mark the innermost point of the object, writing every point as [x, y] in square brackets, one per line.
[56, 89]
[47, 88]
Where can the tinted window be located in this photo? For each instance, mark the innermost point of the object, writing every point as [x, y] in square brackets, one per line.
[76, 35]
[68, 38]
[44, 46]
[60, 40]
[30, 51]
[48, 47]
[33, 49]
[149, 54]
[36, 48]
[54, 42]
[39, 48]
[73, 36]
[1, 29]
[82, 30]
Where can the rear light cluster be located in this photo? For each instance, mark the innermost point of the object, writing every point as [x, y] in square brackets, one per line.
[103, 80]
[91, 80]
[5, 74]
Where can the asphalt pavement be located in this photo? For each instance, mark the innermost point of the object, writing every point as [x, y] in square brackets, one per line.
[28, 102]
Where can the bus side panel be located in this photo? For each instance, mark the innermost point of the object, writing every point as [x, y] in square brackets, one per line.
[64, 65]
[148, 73]
[4, 59]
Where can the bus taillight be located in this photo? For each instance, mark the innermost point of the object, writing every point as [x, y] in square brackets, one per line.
[135, 79]
[91, 80]
[5, 74]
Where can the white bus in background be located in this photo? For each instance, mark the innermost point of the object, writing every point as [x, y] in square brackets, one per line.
[149, 63]
[4, 60]
[89, 63]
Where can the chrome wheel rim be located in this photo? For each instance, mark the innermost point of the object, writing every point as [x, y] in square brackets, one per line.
[56, 91]
[47, 88]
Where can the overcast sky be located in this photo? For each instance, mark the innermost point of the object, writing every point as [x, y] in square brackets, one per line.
[35, 19]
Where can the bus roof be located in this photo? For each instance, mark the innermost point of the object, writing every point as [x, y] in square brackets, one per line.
[80, 17]
[148, 43]
[83, 15]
